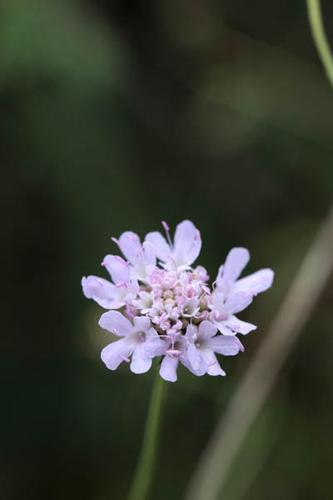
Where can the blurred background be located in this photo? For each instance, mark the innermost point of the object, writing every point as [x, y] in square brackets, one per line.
[116, 115]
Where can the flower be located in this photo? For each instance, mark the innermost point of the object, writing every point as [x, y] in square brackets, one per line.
[227, 278]
[139, 340]
[160, 306]
[233, 295]
[203, 343]
[111, 295]
[141, 257]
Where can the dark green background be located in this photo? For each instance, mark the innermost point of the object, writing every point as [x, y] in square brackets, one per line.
[114, 116]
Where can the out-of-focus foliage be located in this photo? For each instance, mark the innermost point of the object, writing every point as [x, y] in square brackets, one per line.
[115, 115]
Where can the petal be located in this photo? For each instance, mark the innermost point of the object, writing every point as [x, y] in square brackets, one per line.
[222, 326]
[140, 363]
[201, 370]
[115, 353]
[161, 247]
[117, 267]
[207, 356]
[234, 264]
[103, 292]
[191, 332]
[130, 245]
[151, 334]
[240, 326]
[132, 286]
[217, 300]
[207, 329]
[149, 253]
[168, 370]
[215, 369]
[142, 323]
[155, 346]
[228, 346]
[187, 244]
[115, 322]
[193, 356]
[237, 302]
[257, 282]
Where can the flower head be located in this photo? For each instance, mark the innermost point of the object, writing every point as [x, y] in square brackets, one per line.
[161, 306]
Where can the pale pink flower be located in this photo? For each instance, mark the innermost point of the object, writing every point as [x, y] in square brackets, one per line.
[203, 343]
[138, 341]
[233, 295]
[227, 278]
[167, 308]
[142, 257]
[111, 295]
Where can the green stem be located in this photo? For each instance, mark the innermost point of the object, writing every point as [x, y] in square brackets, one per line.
[319, 37]
[144, 469]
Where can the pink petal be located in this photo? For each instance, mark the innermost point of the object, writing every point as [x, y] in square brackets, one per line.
[115, 353]
[215, 369]
[228, 346]
[199, 372]
[207, 356]
[191, 332]
[187, 243]
[193, 356]
[257, 282]
[235, 262]
[240, 326]
[161, 247]
[168, 369]
[117, 267]
[152, 335]
[149, 253]
[130, 245]
[207, 329]
[142, 323]
[222, 326]
[237, 302]
[115, 322]
[103, 292]
[154, 345]
[218, 301]
[140, 363]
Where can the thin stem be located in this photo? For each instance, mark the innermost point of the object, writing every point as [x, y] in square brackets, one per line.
[319, 37]
[144, 469]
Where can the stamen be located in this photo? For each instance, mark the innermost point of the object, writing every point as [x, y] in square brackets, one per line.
[167, 232]
[165, 225]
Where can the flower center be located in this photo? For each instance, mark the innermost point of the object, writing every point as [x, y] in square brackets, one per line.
[169, 298]
[141, 336]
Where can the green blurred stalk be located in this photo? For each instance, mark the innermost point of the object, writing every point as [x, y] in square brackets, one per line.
[144, 470]
[319, 37]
